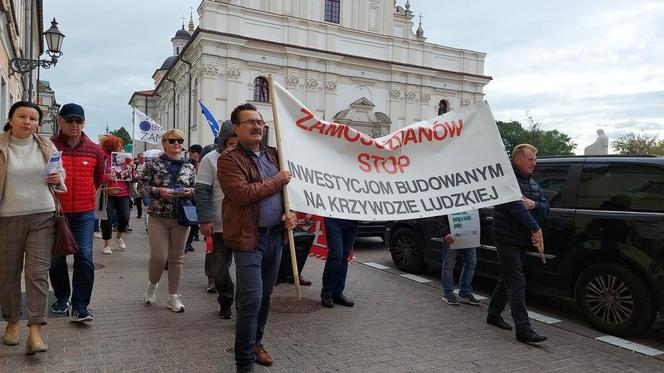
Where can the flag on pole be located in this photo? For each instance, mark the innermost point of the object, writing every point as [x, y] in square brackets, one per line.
[146, 129]
[214, 125]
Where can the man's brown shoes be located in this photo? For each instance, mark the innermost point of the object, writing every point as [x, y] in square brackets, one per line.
[262, 356]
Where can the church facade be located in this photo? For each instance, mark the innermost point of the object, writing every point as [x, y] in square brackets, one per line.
[357, 62]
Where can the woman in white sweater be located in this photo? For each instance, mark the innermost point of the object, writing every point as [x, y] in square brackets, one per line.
[27, 222]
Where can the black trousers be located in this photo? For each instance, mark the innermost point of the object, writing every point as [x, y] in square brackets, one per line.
[512, 286]
[303, 243]
[119, 205]
[138, 202]
[218, 265]
[192, 233]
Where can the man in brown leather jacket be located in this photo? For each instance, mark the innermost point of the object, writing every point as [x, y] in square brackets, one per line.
[254, 223]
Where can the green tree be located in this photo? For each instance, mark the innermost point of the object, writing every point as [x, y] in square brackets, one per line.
[512, 134]
[550, 142]
[632, 143]
[123, 134]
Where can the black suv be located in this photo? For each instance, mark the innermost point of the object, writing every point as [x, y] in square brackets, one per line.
[604, 239]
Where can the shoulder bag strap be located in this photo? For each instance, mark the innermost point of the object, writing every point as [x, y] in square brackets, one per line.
[58, 207]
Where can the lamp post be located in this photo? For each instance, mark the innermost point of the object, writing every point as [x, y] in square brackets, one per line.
[54, 39]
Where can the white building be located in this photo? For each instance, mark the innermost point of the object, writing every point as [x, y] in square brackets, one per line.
[352, 61]
[49, 107]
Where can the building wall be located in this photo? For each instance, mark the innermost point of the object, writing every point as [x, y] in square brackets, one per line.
[372, 53]
[46, 101]
[12, 23]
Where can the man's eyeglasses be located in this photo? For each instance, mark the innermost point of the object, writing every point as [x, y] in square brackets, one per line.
[173, 141]
[253, 122]
[72, 121]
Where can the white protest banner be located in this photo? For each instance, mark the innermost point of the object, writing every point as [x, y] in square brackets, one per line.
[146, 129]
[444, 165]
[465, 229]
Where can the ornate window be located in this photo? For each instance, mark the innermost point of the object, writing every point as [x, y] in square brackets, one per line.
[443, 107]
[261, 90]
[332, 10]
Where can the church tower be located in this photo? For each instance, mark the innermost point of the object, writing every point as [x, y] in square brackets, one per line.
[181, 39]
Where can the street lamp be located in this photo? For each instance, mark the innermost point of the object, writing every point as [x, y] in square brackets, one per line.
[54, 39]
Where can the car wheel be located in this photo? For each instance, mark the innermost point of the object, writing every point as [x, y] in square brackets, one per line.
[615, 299]
[406, 251]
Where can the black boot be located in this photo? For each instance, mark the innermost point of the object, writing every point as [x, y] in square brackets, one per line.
[530, 337]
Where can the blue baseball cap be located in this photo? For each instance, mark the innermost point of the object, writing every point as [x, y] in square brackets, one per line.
[71, 110]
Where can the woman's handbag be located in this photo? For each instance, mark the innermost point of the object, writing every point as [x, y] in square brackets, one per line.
[186, 213]
[133, 190]
[101, 202]
[65, 243]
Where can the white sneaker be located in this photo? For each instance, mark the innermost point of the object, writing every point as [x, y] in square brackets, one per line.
[97, 234]
[120, 243]
[107, 250]
[174, 303]
[150, 293]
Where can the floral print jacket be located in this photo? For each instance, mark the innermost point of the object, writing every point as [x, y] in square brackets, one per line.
[157, 174]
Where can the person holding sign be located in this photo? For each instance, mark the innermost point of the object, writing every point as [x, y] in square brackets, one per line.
[116, 186]
[464, 226]
[167, 180]
[84, 162]
[516, 227]
[340, 235]
[30, 171]
[254, 220]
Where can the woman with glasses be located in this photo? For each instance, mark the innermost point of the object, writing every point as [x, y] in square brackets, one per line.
[27, 221]
[165, 180]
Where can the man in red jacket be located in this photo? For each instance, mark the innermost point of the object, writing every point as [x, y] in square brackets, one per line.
[83, 161]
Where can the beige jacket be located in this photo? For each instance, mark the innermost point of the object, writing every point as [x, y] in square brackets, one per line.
[47, 149]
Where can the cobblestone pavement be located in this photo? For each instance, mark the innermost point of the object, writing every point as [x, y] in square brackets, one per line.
[397, 325]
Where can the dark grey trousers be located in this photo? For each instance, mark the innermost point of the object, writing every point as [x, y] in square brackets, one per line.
[512, 286]
[217, 264]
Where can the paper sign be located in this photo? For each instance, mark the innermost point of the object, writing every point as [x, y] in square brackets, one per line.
[465, 229]
[52, 165]
[122, 166]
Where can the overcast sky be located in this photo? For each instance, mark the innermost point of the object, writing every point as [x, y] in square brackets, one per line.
[574, 65]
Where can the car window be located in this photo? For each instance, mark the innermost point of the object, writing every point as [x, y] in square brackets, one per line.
[622, 187]
[552, 179]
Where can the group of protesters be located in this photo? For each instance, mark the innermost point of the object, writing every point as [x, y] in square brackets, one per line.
[236, 189]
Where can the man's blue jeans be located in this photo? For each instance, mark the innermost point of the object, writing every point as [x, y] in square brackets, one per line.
[255, 276]
[469, 257]
[82, 227]
[340, 235]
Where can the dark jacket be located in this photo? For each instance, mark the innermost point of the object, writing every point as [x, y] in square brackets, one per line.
[513, 224]
[243, 190]
[84, 165]
[444, 224]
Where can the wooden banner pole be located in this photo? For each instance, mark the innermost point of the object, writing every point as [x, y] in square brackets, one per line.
[291, 240]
